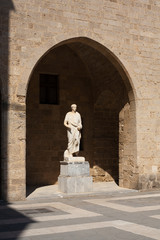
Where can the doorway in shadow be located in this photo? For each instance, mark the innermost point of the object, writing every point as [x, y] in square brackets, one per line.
[0, 147]
[86, 76]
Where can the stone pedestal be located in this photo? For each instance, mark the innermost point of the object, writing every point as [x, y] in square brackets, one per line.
[74, 176]
[74, 159]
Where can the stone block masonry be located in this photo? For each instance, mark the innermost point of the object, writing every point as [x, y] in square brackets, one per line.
[121, 71]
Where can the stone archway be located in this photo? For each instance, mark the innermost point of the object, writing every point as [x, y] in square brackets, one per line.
[91, 76]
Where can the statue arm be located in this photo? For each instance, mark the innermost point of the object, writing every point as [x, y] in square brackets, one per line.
[80, 123]
[66, 122]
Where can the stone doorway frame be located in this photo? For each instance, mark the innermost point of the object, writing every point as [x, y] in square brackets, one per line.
[43, 50]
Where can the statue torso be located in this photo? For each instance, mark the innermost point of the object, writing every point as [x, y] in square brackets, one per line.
[73, 118]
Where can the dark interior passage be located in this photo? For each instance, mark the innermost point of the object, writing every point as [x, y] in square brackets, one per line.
[46, 135]
[0, 147]
[85, 77]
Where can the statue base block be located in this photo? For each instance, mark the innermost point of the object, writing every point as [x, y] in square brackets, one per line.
[74, 159]
[74, 177]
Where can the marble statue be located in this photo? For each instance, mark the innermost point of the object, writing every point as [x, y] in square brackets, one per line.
[73, 124]
[74, 170]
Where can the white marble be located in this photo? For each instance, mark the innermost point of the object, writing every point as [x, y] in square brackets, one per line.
[74, 159]
[74, 177]
[74, 169]
[73, 124]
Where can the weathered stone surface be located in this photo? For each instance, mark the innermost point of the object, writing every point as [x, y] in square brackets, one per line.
[74, 168]
[77, 184]
[149, 181]
[74, 177]
[120, 89]
[74, 159]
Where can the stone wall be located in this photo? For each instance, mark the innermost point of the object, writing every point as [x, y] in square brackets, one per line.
[46, 139]
[127, 33]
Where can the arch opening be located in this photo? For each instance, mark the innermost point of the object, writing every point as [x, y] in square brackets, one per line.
[87, 76]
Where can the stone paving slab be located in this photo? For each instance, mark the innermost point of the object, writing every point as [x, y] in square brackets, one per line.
[52, 191]
[89, 217]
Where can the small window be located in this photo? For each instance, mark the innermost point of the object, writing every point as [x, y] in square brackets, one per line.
[49, 89]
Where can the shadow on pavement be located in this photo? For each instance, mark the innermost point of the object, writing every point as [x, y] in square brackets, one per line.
[12, 222]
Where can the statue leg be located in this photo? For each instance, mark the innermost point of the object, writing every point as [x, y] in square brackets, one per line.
[67, 154]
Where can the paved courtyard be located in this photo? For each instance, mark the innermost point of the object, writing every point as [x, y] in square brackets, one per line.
[113, 215]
